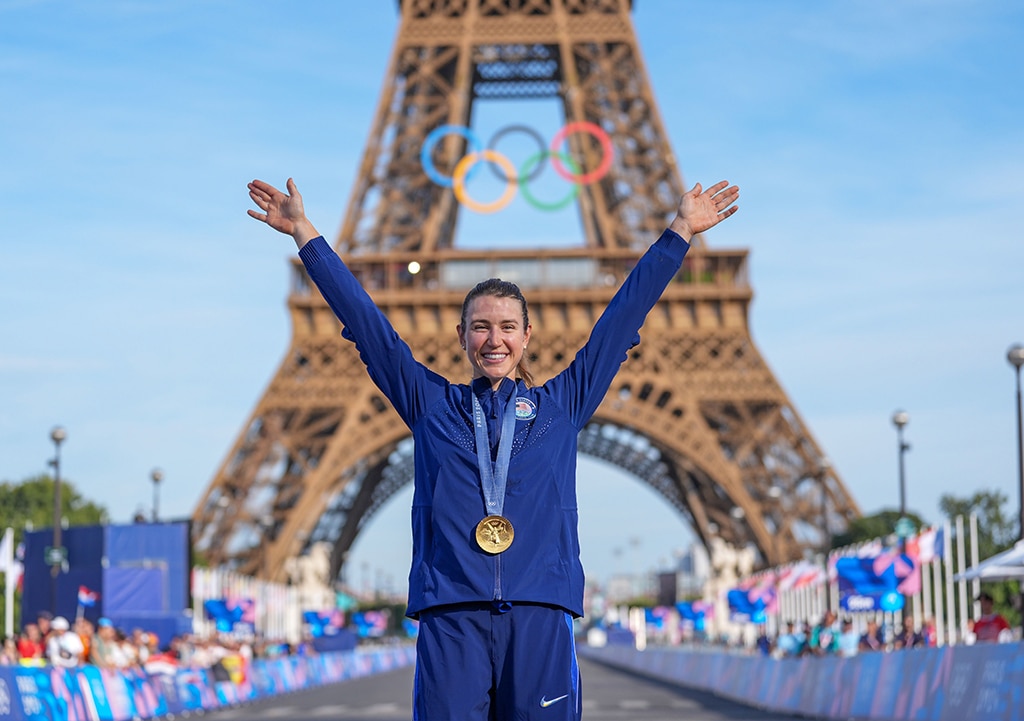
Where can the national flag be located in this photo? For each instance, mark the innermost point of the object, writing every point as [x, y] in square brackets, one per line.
[87, 597]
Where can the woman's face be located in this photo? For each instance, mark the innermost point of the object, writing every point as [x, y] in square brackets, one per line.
[494, 337]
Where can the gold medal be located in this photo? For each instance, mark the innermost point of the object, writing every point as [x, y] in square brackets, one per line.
[494, 534]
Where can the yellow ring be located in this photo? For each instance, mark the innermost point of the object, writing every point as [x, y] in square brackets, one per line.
[459, 181]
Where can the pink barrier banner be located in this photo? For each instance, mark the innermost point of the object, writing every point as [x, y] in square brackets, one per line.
[984, 682]
[93, 694]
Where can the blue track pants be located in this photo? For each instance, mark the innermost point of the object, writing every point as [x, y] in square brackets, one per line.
[496, 662]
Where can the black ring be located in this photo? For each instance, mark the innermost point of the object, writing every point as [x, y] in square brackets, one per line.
[523, 129]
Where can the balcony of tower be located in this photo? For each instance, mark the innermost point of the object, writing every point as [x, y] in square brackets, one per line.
[423, 293]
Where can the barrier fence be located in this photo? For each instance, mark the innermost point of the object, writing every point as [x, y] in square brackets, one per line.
[952, 683]
[89, 693]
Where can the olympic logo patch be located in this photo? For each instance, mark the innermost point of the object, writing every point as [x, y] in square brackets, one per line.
[529, 169]
[526, 410]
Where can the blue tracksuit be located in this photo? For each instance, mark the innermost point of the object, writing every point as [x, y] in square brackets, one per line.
[543, 564]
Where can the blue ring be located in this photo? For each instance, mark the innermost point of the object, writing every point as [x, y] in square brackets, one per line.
[428, 148]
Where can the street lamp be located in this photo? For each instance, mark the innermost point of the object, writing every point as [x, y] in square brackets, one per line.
[1016, 357]
[157, 475]
[57, 435]
[900, 419]
[775, 493]
[826, 532]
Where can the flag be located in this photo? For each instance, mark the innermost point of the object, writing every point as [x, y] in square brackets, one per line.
[928, 545]
[87, 597]
[7, 551]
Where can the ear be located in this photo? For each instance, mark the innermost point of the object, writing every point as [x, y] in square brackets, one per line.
[462, 336]
[526, 335]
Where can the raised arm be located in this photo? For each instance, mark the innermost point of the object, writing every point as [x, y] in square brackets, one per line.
[700, 210]
[282, 211]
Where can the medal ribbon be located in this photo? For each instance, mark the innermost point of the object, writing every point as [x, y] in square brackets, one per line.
[493, 476]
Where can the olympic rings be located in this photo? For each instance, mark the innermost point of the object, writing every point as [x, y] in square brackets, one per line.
[459, 181]
[522, 129]
[606, 147]
[428, 148]
[529, 170]
[537, 159]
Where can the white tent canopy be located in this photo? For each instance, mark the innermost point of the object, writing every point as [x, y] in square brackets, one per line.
[1005, 566]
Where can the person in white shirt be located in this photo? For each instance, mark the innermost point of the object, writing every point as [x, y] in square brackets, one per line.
[64, 648]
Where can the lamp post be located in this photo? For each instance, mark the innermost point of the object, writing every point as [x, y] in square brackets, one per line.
[1015, 355]
[901, 419]
[157, 475]
[775, 493]
[57, 435]
[826, 531]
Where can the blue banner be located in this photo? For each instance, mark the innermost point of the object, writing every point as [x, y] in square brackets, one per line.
[863, 586]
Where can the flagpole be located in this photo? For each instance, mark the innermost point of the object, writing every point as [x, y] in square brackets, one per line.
[9, 582]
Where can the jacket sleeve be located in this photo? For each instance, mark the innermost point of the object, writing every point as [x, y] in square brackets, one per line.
[581, 387]
[407, 383]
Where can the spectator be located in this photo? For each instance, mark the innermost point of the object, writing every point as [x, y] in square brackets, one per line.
[129, 655]
[103, 653]
[907, 637]
[789, 644]
[990, 626]
[764, 644]
[871, 639]
[9, 656]
[825, 636]
[63, 647]
[140, 642]
[848, 642]
[85, 631]
[31, 646]
[44, 619]
[928, 633]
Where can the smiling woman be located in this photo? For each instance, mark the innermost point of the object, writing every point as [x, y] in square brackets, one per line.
[496, 571]
[495, 331]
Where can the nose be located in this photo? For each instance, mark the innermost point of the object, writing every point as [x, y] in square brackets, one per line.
[494, 337]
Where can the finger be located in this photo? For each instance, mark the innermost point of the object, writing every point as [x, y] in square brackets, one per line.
[258, 216]
[261, 200]
[695, 190]
[264, 186]
[292, 188]
[714, 189]
[727, 196]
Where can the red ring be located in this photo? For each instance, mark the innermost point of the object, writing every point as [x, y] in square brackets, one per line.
[606, 148]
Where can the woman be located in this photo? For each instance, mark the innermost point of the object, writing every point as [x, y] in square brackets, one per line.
[496, 576]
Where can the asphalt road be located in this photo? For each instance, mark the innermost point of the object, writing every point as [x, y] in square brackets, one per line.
[608, 694]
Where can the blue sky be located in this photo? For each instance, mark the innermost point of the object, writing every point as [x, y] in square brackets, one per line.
[879, 148]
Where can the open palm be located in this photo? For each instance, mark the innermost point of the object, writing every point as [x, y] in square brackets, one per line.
[702, 209]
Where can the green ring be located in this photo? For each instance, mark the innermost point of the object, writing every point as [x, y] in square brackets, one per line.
[524, 172]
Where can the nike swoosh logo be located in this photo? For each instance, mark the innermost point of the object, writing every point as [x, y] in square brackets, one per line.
[544, 703]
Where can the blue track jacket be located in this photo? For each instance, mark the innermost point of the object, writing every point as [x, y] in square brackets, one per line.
[543, 563]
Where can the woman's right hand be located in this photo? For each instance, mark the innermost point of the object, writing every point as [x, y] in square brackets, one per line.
[282, 211]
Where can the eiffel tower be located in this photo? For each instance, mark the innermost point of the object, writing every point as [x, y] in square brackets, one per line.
[695, 413]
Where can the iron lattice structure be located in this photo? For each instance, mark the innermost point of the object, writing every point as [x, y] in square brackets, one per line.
[695, 413]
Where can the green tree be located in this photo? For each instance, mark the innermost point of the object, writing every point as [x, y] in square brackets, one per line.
[877, 525]
[30, 504]
[997, 531]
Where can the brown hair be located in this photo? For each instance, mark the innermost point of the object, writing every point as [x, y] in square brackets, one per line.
[499, 288]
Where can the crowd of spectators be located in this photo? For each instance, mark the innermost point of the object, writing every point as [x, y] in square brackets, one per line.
[56, 642]
[834, 637]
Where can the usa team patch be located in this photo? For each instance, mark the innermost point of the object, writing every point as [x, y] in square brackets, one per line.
[525, 409]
